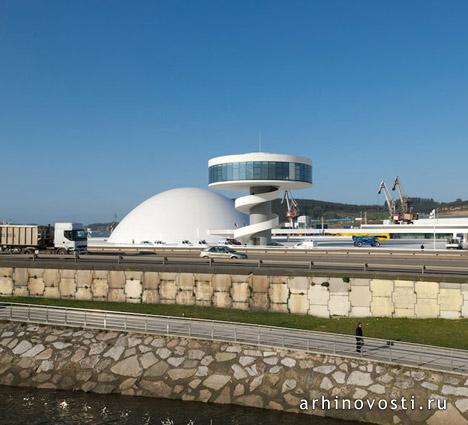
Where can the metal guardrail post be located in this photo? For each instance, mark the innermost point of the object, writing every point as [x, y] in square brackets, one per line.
[211, 262]
[366, 266]
[146, 323]
[212, 331]
[423, 269]
[390, 353]
[105, 320]
[235, 335]
[47, 315]
[451, 359]
[258, 338]
[260, 263]
[311, 265]
[29, 314]
[308, 345]
[190, 329]
[85, 321]
[167, 328]
[164, 260]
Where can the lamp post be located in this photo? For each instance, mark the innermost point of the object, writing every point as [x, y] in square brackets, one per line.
[435, 217]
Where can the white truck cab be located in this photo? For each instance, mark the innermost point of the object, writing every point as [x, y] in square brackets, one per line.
[70, 238]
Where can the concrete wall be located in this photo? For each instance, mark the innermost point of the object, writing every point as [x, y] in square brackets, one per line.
[318, 295]
[196, 370]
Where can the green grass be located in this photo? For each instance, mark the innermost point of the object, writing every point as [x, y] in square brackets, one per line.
[441, 332]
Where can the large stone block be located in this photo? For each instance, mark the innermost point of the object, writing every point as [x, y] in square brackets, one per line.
[51, 292]
[260, 284]
[221, 282]
[204, 277]
[83, 293]
[279, 293]
[337, 284]
[185, 298]
[381, 306]
[100, 274]
[240, 306]
[6, 271]
[318, 295]
[222, 299]
[51, 277]
[35, 272]
[426, 308]
[360, 296]
[116, 295]
[464, 310]
[240, 292]
[167, 290]
[298, 304]
[404, 312]
[319, 310]
[150, 296]
[6, 285]
[116, 279]
[450, 299]
[404, 297]
[260, 301]
[133, 275]
[20, 291]
[239, 278]
[339, 304]
[67, 287]
[68, 273]
[133, 289]
[426, 289]
[186, 281]
[99, 288]
[360, 312]
[381, 288]
[279, 307]
[150, 280]
[203, 291]
[84, 278]
[168, 276]
[298, 284]
[449, 314]
[36, 286]
[20, 276]
[357, 281]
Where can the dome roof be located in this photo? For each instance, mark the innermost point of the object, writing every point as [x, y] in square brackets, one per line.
[178, 214]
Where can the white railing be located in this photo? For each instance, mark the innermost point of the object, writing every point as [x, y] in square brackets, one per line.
[397, 352]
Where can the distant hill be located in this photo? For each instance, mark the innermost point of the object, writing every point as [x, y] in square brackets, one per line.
[336, 210]
[375, 213]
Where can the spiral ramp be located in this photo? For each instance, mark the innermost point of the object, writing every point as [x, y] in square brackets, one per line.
[245, 204]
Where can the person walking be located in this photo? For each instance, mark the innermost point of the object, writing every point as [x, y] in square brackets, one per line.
[359, 338]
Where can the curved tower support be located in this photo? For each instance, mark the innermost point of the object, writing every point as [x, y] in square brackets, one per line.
[258, 207]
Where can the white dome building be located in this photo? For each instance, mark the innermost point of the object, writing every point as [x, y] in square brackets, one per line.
[178, 214]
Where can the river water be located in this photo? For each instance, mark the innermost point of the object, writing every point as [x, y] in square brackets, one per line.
[25, 406]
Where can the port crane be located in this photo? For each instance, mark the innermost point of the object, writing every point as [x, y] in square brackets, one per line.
[407, 214]
[389, 200]
[292, 207]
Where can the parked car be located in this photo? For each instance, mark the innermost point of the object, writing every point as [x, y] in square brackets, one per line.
[222, 252]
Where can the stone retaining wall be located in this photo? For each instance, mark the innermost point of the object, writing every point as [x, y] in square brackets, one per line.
[196, 370]
[317, 295]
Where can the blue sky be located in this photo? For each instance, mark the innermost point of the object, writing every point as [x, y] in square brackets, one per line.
[104, 103]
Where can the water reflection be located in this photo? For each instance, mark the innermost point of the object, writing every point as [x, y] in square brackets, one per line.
[21, 406]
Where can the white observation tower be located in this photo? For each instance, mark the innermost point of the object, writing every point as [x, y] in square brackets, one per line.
[264, 175]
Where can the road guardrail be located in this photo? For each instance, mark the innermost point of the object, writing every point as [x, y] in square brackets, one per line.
[366, 266]
[389, 351]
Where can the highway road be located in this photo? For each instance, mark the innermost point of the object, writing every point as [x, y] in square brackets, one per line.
[300, 340]
[453, 264]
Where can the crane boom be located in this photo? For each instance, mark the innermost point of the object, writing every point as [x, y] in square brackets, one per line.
[390, 201]
[403, 199]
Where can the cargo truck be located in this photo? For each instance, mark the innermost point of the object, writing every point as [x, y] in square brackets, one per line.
[62, 238]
